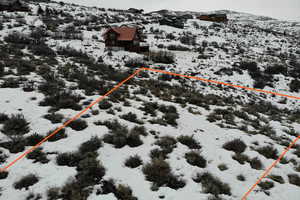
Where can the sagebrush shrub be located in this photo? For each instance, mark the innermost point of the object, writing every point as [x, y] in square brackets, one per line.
[33, 139]
[124, 192]
[159, 172]
[189, 141]
[54, 117]
[3, 175]
[255, 163]
[26, 182]
[268, 152]
[133, 161]
[16, 125]
[78, 125]
[294, 179]
[3, 117]
[59, 135]
[266, 185]
[236, 145]
[91, 145]
[68, 159]
[38, 156]
[211, 184]
[195, 159]
[167, 143]
[104, 105]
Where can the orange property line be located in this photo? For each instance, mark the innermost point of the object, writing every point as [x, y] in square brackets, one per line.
[173, 74]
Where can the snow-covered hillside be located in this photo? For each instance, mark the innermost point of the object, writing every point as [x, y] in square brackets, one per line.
[158, 136]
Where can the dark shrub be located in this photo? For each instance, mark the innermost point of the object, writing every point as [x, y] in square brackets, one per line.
[158, 153]
[16, 125]
[268, 152]
[294, 179]
[211, 184]
[61, 100]
[11, 83]
[241, 177]
[139, 130]
[91, 145]
[33, 139]
[53, 193]
[241, 158]
[276, 178]
[173, 47]
[124, 192]
[159, 172]
[131, 117]
[104, 105]
[266, 185]
[78, 125]
[26, 182]
[295, 85]
[255, 163]
[250, 66]
[150, 108]
[276, 69]
[236, 145]
[16, 145]
[162, 57]
[38, 156]
[175, 183]
[90, 171]
[59, 135]
[167, 143]
[42, 50]
[193, 158]
[133, 161]
[189, 141]
[3, 117]
[1, 70]
[73, 190]
[68, 159]
[54, 117]
[135, 63]
[222, 167]
[3, 175]
[17, 38]
[133, 139]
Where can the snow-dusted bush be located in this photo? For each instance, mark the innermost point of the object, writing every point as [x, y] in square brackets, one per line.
[105, 104]
[91, 145]
[16, 125]
[132, 117]
[159, 172]
[3, 117]
[3, 175]
[295, 85]
[135, 63]
[211, 184]
[189, 141]
[266, 185]
[255, 163]
[165, 57]
[59, 135]
[195, 159]
[133, 161]
[78, 125]
[68, 159]
[33, 139]
[236, 145]
[38, 156]
[268, 151]
[26, 182]
[54, 117]
[167, 143]
[124, 192]
[294, 179]
[241, 158]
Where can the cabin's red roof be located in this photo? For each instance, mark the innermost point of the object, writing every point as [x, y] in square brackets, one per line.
[125, 33]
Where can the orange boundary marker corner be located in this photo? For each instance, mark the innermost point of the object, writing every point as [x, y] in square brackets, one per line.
[266, 172]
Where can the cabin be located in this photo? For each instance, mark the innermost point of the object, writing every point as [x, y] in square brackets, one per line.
[13, 5]
[125, 38]
[214, 18]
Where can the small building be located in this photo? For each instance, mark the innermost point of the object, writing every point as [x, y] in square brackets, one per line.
[214, 18]
[13, 5]
[125, 38]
